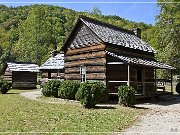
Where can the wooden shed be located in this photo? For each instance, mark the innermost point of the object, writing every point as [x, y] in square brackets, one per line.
[53, 68]
[99, 51]
[22, 75]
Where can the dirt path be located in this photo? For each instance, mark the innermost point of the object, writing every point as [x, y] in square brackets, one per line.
[33, 95]
[163, 118]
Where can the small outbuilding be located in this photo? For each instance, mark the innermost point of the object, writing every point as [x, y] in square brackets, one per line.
[53, 68]
[22, 75]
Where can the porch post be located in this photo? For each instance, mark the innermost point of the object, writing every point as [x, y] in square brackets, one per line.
[143, 81]
[58, 75]
[171, 82]
[128, 83]
[155, 80]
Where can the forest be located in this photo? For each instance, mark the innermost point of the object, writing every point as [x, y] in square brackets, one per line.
[30, 33]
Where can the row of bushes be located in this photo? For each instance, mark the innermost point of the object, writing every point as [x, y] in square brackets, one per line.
[4, 86]
[89, 93]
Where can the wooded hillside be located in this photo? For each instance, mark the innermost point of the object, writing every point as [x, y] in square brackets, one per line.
[30, 33]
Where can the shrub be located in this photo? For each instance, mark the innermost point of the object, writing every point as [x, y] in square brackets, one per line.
[178, 88]
[126, 95]
[90, 93]
[68, 89]
[50, 88]
[4, 86]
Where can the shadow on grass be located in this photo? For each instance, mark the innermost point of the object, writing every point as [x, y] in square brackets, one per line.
[113, 107]
[137, 107]
[104, 107]
[12, 93]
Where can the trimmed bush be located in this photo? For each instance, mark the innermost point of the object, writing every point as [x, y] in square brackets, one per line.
[178, 88]
[126, 95]
[4, 87]
[50, 88]
[68, 89]
[90, 93]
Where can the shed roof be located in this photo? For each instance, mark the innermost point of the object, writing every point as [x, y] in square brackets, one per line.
[54, 63]
[23, 67]
[108, 33]
[140, 61]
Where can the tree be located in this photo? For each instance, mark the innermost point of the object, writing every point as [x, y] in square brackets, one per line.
[41, 32]
[168, 24]
[96, 11]
[32, 32]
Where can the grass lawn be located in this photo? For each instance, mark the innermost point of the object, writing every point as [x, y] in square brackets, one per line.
[168, 88]
[22, 115]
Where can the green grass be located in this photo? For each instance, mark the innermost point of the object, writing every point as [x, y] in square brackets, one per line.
[18, 114]
[168, 88]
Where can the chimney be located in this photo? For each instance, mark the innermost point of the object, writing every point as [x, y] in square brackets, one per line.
[137, 32]
[54, 53]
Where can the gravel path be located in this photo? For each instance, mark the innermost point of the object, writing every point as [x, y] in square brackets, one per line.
[162, 119]
[33, 95]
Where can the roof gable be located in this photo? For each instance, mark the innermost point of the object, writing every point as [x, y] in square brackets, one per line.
[83, 37]
[56, 62]
[94, 31]
[117, 36]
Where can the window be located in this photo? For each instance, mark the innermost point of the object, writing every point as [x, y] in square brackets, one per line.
[83, 73]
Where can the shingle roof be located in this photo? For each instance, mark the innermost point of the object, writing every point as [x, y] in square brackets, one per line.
[23, 67]
[56, 62]
[93, 31]
[84, 37]
[117, 36]
[140, 61]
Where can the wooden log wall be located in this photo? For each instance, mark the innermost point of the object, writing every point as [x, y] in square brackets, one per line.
[24, 80]
[149, 74]
[92, 48]
[93, 57]
[8, 76]
[24, 77]
[129, 52]
[54, 74]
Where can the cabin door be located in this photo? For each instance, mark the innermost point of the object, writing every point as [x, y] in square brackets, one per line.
[49, 75]
[140, 80]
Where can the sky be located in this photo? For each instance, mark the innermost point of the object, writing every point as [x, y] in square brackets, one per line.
[133, 10]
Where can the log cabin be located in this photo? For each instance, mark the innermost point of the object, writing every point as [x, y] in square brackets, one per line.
[53, 68]
[21, 75]
[97, 51]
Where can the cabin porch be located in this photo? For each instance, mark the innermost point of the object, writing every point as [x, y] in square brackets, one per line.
[144, 86]
[140, 73]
